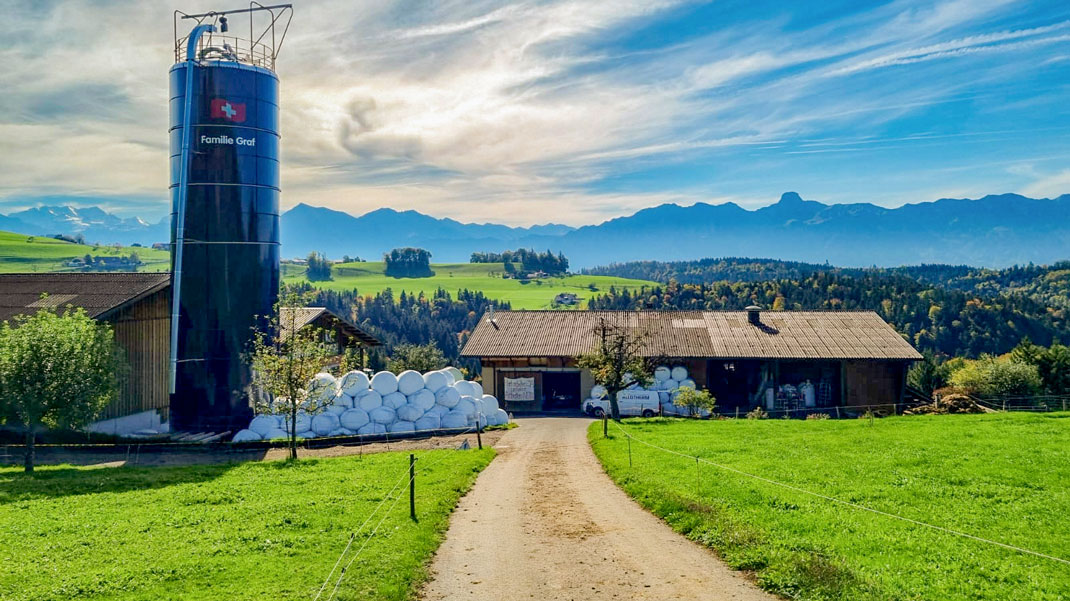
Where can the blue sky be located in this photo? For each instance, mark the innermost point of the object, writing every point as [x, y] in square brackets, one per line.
[567, 111]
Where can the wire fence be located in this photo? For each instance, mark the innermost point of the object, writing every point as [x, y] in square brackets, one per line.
[857, 506]
[393, 496]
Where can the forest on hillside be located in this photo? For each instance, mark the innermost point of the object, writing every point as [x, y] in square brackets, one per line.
[409, 318]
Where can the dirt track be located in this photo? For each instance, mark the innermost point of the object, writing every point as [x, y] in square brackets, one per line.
[544, 522]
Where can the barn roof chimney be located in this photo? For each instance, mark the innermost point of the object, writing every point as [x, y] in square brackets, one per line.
[754, 314]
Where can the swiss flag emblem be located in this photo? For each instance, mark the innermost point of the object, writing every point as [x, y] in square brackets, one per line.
[221, 108]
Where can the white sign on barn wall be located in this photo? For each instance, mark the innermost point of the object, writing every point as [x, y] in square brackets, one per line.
[520, 389]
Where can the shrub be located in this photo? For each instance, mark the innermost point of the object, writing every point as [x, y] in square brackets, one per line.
[818, 416]
[696, 401]
[993, 377]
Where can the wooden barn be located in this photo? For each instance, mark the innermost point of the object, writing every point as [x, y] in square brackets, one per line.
[745, 359]
[138, 307]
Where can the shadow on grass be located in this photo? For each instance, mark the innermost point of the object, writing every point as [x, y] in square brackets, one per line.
[49, 482]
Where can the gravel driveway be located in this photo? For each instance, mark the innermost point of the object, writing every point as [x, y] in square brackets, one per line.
[544, 522]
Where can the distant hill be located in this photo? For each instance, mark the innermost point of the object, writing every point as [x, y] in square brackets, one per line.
[994, 231]
[20, 253]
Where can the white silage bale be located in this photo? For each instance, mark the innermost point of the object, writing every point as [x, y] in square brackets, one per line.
[276, 434]
[354, 419]
[383, 415]
[306, 434]
[599, 392]
[339, 432]
[324, 423]
[501, 417]
[423, 398]
[336, 409]
[438, 410]
[409, 381]
[456, 373]
[448, 397]
[409, 413]
[402, 426]
[344, 400]
[372, 428]
[384, 383]
[394, 400]
[468, 405]
[669, 385]
[354, 382]
[664, 396]
[454, 419]
[369, 401]
[464, 387]
[687, 383]
[679, 373]
[450, 380]
[489, 404]
[246, 436]
[323, 387]
[262, 424]
[429, 421]
[434, 381]
[662, 373]
[476, 388]
[479, 421]
[304, 422]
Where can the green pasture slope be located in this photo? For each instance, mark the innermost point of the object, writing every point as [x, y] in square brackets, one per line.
[20, 253]
[260, 530]
[369, 278]
[1001, 477]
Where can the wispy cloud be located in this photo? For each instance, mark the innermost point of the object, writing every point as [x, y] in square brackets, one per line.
[567, 110]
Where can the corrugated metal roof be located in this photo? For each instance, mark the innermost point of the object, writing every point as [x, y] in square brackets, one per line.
[714, 334]
[97, 293]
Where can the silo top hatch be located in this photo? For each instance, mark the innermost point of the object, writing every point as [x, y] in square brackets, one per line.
[267, 27]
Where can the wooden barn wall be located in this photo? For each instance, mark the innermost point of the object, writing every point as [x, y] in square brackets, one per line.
[872, 382]
[142, 330]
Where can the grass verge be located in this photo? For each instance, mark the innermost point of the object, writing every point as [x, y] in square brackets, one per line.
[262, 530]
[1002, 477]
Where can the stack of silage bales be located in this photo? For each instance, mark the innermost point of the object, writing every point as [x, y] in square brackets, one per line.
[385, 403]
[668, 380]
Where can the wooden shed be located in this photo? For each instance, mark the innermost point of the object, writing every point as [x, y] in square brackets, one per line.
[852, 359]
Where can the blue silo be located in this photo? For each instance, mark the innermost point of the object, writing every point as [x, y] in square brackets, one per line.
[225, 190]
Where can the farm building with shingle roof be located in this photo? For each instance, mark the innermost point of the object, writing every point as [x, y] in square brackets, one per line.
[745, 358]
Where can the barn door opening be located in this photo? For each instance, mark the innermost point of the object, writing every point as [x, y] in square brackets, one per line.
[562, 390]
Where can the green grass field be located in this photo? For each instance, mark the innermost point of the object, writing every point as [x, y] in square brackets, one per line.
[268, 530]
[1002, 477]
[20, 253]
[369, 278]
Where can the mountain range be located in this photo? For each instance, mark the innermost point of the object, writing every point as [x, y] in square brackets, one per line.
[993, 231]
[93, 223]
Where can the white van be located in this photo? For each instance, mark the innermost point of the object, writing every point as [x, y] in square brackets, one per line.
[632, 403]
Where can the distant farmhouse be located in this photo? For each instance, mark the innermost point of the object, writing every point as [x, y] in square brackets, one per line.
[852, 359]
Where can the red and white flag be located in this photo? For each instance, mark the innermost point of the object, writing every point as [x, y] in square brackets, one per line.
[221, 108]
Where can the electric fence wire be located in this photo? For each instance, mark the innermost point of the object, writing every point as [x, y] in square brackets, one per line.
[842, 502]
[370, 536]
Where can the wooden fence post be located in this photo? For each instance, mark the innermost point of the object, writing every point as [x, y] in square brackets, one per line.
[412, 486]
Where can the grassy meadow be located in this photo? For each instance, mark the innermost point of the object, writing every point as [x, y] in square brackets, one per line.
[1000, 476]
[260, 530]
[20, 253]
[369, 278]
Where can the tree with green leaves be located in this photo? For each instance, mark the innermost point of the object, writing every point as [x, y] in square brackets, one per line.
[617, 362]
[1052, 363]
[420, 357]
[57, 370]
[992, 377]
[285, 359]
